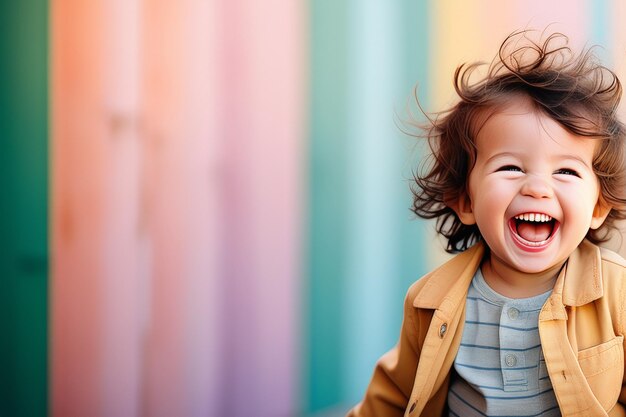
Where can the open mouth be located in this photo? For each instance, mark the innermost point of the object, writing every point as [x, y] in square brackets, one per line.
[533, 229]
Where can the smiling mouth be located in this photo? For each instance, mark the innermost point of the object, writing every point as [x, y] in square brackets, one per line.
[533, 229]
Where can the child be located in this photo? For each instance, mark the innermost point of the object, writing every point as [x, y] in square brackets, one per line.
[528, 174]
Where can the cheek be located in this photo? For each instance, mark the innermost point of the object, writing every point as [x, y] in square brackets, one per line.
[572, 207]
[490, 203]
[495, 193]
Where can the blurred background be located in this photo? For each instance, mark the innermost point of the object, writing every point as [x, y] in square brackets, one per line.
[205, 205]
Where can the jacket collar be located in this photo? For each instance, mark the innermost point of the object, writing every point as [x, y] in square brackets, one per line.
[579, 282]
[450, 281]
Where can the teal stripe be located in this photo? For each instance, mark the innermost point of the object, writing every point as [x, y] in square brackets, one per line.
[328, 206]
[414, 233]
[23, 207]
[364, 248]
[601, 28]
[378, 268]
[374, 190]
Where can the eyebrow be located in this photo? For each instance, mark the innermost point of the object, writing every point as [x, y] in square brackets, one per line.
[499, 155]
[559, 156]
[575, 158]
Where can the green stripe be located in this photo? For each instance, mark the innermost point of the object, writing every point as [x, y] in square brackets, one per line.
[385, 248]
[364, 248]
[23, 207]
[413, 232]
[327, 205]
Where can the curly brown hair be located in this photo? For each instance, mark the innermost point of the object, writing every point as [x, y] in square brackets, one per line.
[573, 89]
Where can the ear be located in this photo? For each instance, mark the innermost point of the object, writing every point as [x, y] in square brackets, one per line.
[600, 212]
[462, 206]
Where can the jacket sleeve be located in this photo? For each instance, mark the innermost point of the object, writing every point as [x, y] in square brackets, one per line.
[618, 312]
[390, 387]
[621, 314]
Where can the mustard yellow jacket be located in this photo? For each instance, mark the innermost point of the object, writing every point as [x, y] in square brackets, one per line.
[581, 326]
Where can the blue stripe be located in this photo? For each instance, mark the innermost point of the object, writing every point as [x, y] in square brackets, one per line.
[483, 414]
[491, 303]
[482, 299]
[479, 346]
[518, 398]
[494, 369]
[498, 348]
[487, 387]
[467, 403]
[556, 407]
[493, 388]
[521, 329]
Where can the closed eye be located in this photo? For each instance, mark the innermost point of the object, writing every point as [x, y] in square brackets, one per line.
[512, 168]
[567, 171]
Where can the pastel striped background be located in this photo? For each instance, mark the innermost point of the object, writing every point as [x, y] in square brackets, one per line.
[225, 191]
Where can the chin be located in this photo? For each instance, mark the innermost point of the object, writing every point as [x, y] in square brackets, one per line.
[537, 266]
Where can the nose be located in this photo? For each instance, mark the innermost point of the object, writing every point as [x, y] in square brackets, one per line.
[537, 187]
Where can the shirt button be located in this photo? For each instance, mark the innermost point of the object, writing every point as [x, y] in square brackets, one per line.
[513, 313]
[443, 329]
[510, 360]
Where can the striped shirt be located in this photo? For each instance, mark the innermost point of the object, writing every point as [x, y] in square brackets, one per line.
[500, 369]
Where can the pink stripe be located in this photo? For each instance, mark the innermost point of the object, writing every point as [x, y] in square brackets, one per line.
[179, 101]
[571, 18]
[134, 210]
[121, 288]
[264, 61]
[152, 126]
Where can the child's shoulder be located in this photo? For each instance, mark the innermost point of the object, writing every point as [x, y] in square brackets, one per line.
[432, 288]
[613, 269]
[593, 272]
[610, 257]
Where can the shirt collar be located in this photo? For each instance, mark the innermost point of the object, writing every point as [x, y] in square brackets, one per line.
[578, 283]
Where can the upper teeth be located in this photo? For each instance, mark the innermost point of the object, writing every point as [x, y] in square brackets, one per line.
[534, 217]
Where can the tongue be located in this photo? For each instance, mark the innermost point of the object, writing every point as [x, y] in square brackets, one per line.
[534, 232]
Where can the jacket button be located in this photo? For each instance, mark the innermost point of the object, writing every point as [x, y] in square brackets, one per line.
[412, 407]
[443, 329]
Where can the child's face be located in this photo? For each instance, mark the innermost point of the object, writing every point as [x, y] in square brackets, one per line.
[532, 192]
